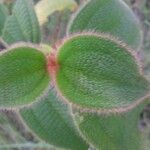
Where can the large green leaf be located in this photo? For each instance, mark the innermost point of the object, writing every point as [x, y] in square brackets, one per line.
[52, 121]
[44, 8]
[96, 72]
[22, 25]
[23, 76]
[108, 16]
[113, 132]
[3, 16]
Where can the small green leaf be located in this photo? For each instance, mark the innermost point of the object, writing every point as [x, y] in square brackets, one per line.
[3, 16]
[23, 76]
[113, 132]
[52, 121]
[97, 72]
[46, 49]
[45, 8]
[22, 25]
[109, 16]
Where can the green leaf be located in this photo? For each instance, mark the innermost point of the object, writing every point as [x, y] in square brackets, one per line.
[22, 25]
[109, 16]
[3, 16]
[45, 8]
[113, 132]
[23, 76]
[46, 49]
[52, 121]
[96, 73]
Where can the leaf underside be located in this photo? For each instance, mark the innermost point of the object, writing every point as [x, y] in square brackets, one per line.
[113, 132]
[22, 25]
[52, 121]
[96, 72]
[23, 76]
[109, 16]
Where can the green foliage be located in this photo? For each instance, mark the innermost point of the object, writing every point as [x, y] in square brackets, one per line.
[101, 73]
[23, 76]
[99, 77]
[45, 8]
[52, 121]
[113, 132]
[3, 16]
[108, 16]
[22, 25]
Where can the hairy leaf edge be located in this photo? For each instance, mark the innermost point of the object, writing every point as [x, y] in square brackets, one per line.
[44, 93]
[137, 60]
[82, 6]
[70, 110]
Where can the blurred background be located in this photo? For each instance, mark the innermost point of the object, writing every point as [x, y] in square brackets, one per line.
[13, 133]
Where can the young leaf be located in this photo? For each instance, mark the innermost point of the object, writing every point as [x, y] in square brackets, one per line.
[108, 16]
[23, 76]
[113, 132]
[22, 25]
[3, 16]
[52, 121]
[46, 49]
[96, 73]
[44, 8]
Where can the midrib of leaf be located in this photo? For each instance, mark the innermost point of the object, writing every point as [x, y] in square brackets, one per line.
[4, 14]
[30, 18]
[29, 15]
[103, 77]
[61, 119]
[11, 35]
[68, 124]
[21, 31]
[29, 31]
[113, 81]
